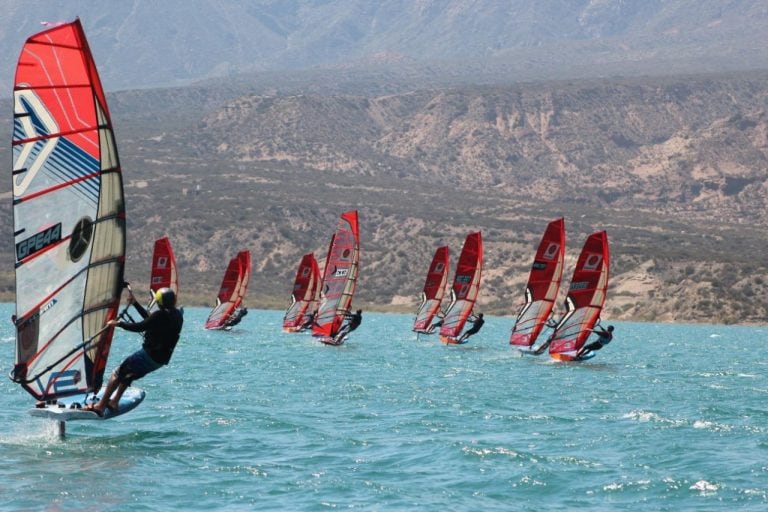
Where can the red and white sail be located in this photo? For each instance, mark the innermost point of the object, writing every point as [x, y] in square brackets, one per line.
[466, 286]
[304, 294]
[68, 216]
[434, 290]
[245, 268]
[164, 273]
[543, 285]
[231, 292]
[585, 299]
[339, 278]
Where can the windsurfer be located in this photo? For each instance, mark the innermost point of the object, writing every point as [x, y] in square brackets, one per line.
[437, 324]
[353, 322]
[237, 317]
[161, 331]
[477, 322]
[309, 321]
[605, 336]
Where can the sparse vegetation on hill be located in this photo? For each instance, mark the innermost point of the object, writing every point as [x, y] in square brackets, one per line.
[673, 169]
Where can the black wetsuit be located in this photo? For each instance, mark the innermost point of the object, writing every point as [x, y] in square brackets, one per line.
[355, 319]
[477, 323]
[434, 326]
[307, 324]
[161, 331]
[604, 339]
[239, 314]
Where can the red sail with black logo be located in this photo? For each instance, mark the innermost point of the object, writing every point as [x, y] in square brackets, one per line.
[339, 280]
[231, 292]
[433, 292]
[543, 285]
[585, 300]
[466, 286]
[164, 273]
[304, 294]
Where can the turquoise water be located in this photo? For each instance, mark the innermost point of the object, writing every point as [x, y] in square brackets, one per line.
[668, 417]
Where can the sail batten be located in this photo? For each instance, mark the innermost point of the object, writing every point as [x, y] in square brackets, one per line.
[69, 216]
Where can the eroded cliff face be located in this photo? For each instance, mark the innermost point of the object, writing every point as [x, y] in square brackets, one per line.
[699, 144]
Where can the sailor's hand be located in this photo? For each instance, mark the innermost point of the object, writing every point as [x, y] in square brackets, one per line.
[112, 322]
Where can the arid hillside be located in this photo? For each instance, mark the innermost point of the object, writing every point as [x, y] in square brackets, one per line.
[674, 169]
[696, 143]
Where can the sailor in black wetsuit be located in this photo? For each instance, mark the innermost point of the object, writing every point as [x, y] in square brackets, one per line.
[309, 321]
[477, 322]
[353, 322]
[237, 317]
[161, 333]
[604, 337]
[437, 324]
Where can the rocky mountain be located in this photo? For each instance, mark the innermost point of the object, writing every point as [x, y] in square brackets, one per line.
[673, 168]
[694, 142]
[176, 42]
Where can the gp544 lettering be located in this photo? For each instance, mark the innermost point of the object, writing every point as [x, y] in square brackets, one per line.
[38, 242]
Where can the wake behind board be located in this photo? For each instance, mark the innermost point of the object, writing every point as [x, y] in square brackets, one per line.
[71, 407]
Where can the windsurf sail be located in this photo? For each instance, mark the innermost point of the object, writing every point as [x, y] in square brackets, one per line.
[231, 292]
[164, 274]
[434, 290]
[543, 285]
[466, 286]
[68, 217]
[339, 279]
[304, 294]
[585, 299]
[245, 266]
